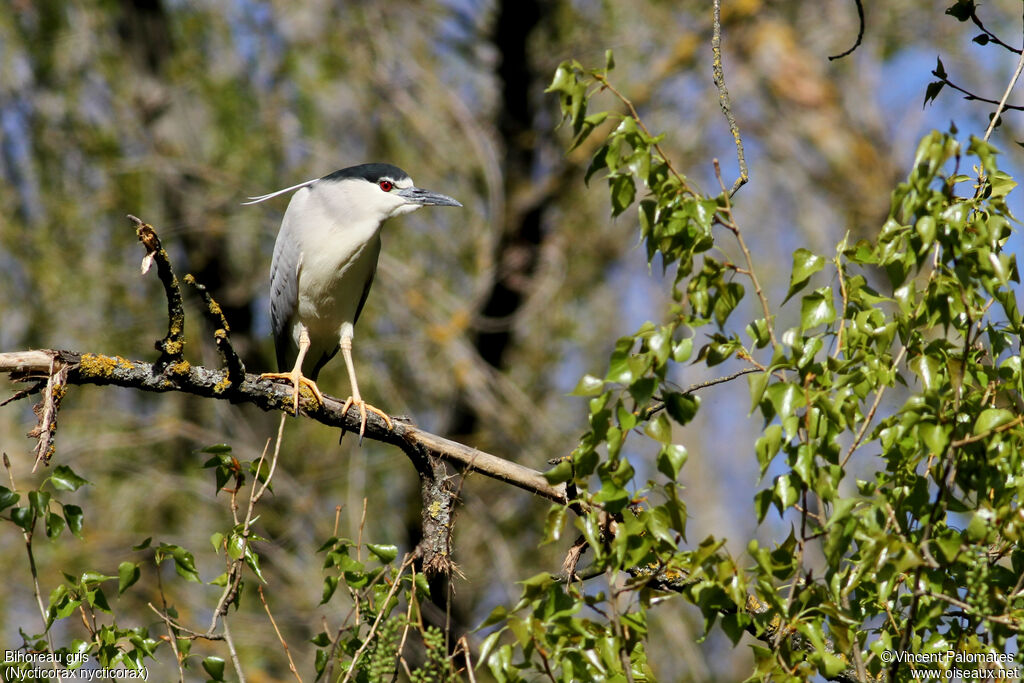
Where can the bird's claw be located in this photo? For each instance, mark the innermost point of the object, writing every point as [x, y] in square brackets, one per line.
[297, 379]
[363, 407]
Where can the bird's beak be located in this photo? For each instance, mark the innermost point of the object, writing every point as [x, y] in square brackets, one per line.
[416, 195]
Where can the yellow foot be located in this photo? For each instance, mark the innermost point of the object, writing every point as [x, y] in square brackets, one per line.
[363, 407]
[297, 379]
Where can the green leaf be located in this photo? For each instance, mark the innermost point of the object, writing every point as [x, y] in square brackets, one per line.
[214, 666]
[236, 547]
[928, 368]
[935, 437]
[949, 547]
[185, 564]
[785, 397]
[767, 446]
[91, 578]
[330, 585]
[962, 10]
[217, 448]
[786, 494]
[805, 264]
[991, 419]
[681, 407]
[64, 479]
[75, 518]
[24, 517]
[588, 386]
[623, 191]
[561, 472]
[7, 498]
[659, 429]
[660, 344]
[683, 350]
[98, 599]
[384, 553]
[39, 501]
[554, 523]
[757, 382]
[816, 309]
[54, 525]
[609, 60]
[932, 91]
[127, 574]
[671, 458]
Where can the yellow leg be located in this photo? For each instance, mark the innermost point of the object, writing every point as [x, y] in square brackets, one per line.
[355, 398]
[295, 376]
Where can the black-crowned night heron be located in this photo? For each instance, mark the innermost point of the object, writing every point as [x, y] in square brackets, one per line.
[324, 262]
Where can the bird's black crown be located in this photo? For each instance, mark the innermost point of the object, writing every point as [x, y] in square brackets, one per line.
[373, 173]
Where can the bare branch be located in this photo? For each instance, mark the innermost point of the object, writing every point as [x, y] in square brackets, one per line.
[221, 332]
[860, 32]
[171, 347]
[418, 444]
[723, 96]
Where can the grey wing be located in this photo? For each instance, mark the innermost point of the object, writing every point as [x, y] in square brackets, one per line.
[366, 293]
[284, 293]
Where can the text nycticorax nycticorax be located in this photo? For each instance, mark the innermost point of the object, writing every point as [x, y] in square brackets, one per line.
[324, 261]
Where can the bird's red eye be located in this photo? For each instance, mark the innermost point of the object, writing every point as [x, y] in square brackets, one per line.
[386, 185]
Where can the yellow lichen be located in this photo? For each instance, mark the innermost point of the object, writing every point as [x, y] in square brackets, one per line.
[173, 348]
[96, 365]
[222, 386]
[180, 368]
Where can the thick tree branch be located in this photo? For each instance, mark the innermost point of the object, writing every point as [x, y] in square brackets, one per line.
[418, 444]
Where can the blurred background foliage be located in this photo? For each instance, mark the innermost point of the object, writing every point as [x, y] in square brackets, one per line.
[481, 320]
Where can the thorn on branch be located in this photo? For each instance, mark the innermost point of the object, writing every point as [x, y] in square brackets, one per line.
[221, 336]
[172, 346]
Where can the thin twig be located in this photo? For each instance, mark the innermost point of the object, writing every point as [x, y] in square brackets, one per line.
[845, 297]
[718, 74]
[871, 413]
[406, 561]
[606, 84]
[991, 36]
[971, 97]
[231, 649]
[1006, 95]
[960, 443]
[735, 230]
[189, 634]
[413, 601]
[172, 638]
[287, 652]
[221, 334]
[234, 569]
[860, 33]
[18, 395]
[659, 406]
[464, 645]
